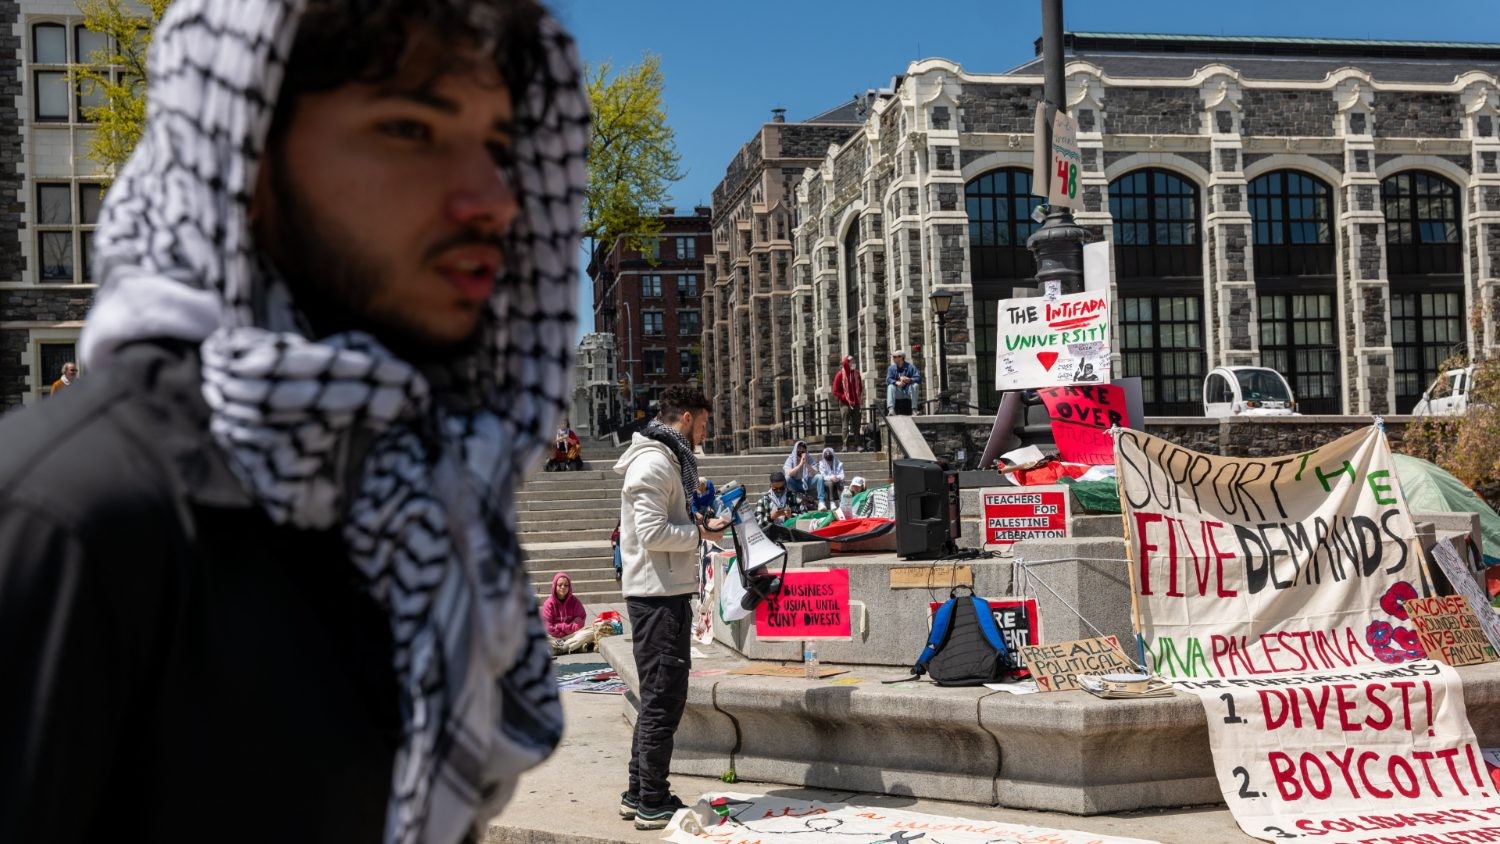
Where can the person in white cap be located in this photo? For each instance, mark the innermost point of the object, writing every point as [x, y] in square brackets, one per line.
[901, 380]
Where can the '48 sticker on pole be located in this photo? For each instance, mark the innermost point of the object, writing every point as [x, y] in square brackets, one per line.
[1066, 161]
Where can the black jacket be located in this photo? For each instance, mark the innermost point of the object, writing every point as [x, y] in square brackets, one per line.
[173, 666]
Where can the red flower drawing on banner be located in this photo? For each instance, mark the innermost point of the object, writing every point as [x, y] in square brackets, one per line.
[1395, 644]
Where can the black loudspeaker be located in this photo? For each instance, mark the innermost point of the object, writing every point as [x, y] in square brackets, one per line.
[903, 407]
[924, 511]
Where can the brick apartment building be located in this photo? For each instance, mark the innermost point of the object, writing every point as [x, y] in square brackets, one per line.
[652, 306]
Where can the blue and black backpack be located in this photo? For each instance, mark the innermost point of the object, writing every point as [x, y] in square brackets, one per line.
[965, 647]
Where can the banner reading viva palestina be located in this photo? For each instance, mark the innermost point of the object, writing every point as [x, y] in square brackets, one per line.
[1268, 566]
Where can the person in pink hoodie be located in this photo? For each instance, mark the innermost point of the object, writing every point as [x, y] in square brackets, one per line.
[564, 617]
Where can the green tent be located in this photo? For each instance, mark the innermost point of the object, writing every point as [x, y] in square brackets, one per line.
[1430, 489]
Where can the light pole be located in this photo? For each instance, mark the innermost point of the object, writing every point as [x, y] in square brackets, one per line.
[940, 303]
[1058, 244]
[629, 361]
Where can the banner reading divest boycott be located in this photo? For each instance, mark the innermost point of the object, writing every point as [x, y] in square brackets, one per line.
[1272, 565]
[1381, 755]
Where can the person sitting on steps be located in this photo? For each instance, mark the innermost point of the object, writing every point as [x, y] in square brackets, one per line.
[830, 479]
[565, 618]
[901, 380]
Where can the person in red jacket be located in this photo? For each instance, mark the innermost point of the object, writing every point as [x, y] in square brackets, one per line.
[849, 389]
[564, 617]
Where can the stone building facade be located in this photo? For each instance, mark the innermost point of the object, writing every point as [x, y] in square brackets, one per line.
[755, 324]
[1329, 208]
[653, 305]
[49, 193]
[596, 394]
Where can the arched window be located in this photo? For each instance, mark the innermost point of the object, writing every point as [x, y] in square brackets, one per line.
[999, 204]
[1425, 263]
[1159, 267]
[1156, 225]
[1294, 257]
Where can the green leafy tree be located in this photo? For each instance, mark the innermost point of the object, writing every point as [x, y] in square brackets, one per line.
[114, 78]
[633, 156]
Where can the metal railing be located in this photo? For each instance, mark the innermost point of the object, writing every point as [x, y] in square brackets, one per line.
[823, 419]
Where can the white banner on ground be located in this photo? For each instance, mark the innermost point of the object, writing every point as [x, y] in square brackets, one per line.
[1382, 754]
[1270, 565]
[730, 818]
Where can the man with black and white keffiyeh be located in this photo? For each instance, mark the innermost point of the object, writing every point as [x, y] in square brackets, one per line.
[271, 588]
[660, 543]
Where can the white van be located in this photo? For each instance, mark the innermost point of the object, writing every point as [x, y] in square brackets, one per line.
[1247, 391]
[1448, 395]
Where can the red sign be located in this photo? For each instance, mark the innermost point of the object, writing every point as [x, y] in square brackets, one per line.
[1012, 514]
[1080, 417]
[813, 604]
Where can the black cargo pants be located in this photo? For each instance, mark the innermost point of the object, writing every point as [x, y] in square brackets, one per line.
[662, 645]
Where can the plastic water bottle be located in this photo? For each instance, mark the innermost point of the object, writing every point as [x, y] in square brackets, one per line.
[810, 659]
[846, 505]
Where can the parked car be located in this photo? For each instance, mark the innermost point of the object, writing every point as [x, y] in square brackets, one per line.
[1247, 391]
[1448, 395]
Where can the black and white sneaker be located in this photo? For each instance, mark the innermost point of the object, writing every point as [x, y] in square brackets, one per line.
[657, 817]
[629, 803]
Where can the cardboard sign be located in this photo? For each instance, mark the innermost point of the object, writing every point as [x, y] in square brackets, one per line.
[1053, 666]
[1268, 566]
[1066, 161]
[813, 604]
[1383, 754]
[944, 576]
[1449, 631]
[1019, 624]
[1049, 343]
[1012, 514]
[1465, 585]
[1081, 416]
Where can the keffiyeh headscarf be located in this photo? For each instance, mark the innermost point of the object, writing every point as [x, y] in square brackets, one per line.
[687, 464]
[427, 511]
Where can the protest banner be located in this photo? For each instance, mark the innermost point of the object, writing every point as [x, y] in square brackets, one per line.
[1053, 666]
[1267, 566]
[1019, 623]
[1449, 631]
[1012, 514]
[1383, 754]
[1464, 584]
[1083, 414]
[727, 817]
[1052, 342]
[812, 604]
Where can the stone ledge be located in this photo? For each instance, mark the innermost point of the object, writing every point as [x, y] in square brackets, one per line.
[1066, 751]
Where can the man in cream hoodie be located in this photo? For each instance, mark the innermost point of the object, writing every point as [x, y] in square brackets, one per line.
[660, 541]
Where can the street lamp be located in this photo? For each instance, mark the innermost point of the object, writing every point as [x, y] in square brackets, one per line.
[1058, 244]
[940, 303]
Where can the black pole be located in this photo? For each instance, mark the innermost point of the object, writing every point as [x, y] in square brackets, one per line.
[1058, 244]
[943, 403]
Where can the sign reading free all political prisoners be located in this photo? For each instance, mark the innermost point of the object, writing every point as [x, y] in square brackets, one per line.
[1266, 566]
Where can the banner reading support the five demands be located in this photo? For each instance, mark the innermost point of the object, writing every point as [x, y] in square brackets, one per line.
[1270, 565]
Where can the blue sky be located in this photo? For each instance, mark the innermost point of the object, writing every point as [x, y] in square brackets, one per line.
[727, 64]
